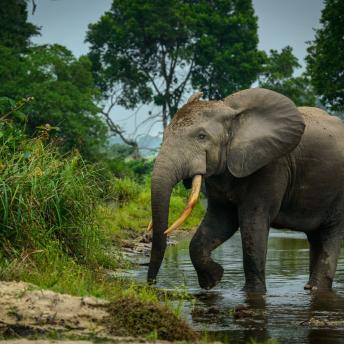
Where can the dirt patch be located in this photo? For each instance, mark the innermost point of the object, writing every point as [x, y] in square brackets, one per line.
[134, 317]
[26, 310]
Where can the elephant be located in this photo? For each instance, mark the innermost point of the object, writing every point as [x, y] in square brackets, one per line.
[265, 163]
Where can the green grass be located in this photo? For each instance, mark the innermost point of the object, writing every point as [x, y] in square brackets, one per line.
[133, 212]
[48, 203]
[60, 231]
[55, 229]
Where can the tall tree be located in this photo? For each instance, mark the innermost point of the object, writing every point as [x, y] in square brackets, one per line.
[15, 30]
[64, 94]
[326, 56]
[157, 51]
[278, 75]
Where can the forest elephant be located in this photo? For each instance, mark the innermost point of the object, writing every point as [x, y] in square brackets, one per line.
[265, 163]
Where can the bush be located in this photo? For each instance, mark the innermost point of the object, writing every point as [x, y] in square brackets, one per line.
[125, 190]
[47, 201]
[120, 168]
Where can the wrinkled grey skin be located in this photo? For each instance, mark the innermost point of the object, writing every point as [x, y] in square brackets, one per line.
[265, 163]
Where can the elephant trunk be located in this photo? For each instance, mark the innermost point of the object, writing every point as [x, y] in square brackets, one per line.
[163, 181]
[168, 170]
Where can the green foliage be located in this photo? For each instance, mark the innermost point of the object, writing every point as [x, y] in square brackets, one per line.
[125, 190]
[47, 202]
[325, 60]
[136, 169]
[131, 211]
[226, 54]
[280, 65]
[141, 167]
[137, 46]
[120, 151]
[278, 75]
[64, 94]
[133, 317]
[15, 31]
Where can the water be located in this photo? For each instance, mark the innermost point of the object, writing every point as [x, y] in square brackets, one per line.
[278, 314]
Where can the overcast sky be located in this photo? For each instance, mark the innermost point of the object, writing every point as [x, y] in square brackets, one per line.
[281, 23]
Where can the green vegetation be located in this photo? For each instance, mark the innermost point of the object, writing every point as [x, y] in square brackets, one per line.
[325, 60]
[148, 318]
[61, 222]
[48, 223]
[278, 75]
[15, 31]
[64, 95]
[152, 52]
[68, 199]
[131, 211]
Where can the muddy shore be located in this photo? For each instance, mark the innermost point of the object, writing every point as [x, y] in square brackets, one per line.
[26, 311]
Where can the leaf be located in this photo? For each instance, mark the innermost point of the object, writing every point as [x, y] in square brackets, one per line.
[19, 115]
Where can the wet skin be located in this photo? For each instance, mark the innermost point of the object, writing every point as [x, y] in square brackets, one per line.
[302, 191]
[265, 163]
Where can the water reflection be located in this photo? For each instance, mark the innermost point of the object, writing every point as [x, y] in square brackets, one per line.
[279, 314]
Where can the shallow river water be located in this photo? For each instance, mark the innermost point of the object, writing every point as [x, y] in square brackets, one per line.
[278, 314]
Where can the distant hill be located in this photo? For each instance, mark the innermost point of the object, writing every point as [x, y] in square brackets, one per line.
[149, 145]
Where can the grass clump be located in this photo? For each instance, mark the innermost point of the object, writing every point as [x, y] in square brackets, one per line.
[132, 317]
[124, 190]
[47, 202]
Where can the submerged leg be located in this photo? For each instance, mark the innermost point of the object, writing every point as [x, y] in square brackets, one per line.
[218, 225]
[254, 228]
[325, 247]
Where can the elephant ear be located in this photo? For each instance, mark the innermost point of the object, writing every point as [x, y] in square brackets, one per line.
[268, 126]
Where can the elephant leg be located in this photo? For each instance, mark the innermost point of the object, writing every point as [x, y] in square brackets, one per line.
[218, 225]
[254, 228]
[325, 245]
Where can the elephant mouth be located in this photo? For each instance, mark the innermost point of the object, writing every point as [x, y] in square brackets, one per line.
[191, 203]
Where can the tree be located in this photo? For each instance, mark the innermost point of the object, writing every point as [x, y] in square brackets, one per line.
[278, 75]
[325, 57]
[64, 94]
[156, 51]
[15, 31]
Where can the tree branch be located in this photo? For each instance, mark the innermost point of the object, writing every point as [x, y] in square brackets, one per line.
[34, 6]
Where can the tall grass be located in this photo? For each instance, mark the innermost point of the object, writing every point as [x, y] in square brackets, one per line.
[58, 227]
[47, 203]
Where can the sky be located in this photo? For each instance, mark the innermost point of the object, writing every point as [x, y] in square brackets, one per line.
[281, 23]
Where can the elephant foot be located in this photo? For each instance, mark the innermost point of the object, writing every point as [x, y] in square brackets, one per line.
[318, 286]
[307, 286]
[254, 283]
[257, 288]
[323, 285]
[210, 276]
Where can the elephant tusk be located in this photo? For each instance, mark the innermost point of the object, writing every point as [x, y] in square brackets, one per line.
[196, 188]
[150, 226]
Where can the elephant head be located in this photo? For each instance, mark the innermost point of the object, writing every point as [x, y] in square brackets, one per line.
[243, 133]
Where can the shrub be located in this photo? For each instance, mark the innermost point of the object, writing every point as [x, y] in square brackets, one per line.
[47, 201]
[125, 190]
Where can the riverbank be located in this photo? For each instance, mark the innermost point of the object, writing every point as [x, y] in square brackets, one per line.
[28, 311]
[63, 224]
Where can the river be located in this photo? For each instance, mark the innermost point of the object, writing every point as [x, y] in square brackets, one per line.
[278, 314]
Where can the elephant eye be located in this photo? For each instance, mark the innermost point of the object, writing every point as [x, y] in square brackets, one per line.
[201, 136]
